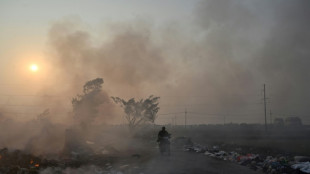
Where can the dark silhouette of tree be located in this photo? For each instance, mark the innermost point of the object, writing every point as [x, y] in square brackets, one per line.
[85, 106]
[139, 112]
[44, 115]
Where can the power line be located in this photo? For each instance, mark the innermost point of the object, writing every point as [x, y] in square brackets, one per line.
[21, 113]
[203, 96]
[205, 104]
[30, 95]
[185, 117]
[34, 106]
[10, 105]
[219, 114]
[171, 113]
[265, 107]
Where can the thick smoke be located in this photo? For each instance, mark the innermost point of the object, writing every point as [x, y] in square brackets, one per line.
[217, 66]
[284, 58]
[241, 45]
[39, 137]
[128, 61]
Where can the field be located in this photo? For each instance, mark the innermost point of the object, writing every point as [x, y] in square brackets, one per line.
[253, 138]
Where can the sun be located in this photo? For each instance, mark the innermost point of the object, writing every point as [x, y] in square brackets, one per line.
[34, 67]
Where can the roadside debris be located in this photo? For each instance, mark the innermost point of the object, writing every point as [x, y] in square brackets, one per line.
[267, 164]
[19, 162]
[303, 166]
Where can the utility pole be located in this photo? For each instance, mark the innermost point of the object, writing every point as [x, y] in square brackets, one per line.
[270, 114]
[265, 107]
[175, 120]
[185, 118]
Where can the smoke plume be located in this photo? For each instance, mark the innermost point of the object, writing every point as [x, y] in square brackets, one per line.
[217, 66]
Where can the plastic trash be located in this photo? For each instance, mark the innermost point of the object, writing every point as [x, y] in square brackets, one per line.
[302, 166]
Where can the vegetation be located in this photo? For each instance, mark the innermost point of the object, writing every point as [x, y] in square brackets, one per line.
[139, 112]
[85, 106]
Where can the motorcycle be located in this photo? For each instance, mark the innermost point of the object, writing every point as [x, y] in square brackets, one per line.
[164, 145]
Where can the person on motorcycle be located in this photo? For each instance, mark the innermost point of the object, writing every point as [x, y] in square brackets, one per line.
[164, 142]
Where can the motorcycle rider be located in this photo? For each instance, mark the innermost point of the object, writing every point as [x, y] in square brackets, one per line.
[163, 139]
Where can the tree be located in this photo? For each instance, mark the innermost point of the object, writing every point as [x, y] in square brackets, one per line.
[85, 106]
[139, 112]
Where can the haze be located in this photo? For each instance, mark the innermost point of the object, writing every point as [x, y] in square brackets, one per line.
[210, 58]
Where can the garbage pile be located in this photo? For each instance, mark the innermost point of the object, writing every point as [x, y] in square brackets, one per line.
[303, 166]
[78, 156]
[268, 164]
[19, 162]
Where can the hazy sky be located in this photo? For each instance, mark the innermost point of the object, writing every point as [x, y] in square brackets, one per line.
[209, 57]
[25, 23]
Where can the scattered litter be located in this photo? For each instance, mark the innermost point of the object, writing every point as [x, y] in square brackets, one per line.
[302, 166]
[196, 148]
[267, 164]
[89, 142]
[124, 166]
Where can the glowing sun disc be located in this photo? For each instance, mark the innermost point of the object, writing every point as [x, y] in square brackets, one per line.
[34, 68]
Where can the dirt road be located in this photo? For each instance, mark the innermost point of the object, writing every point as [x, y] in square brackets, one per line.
[181, 162]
